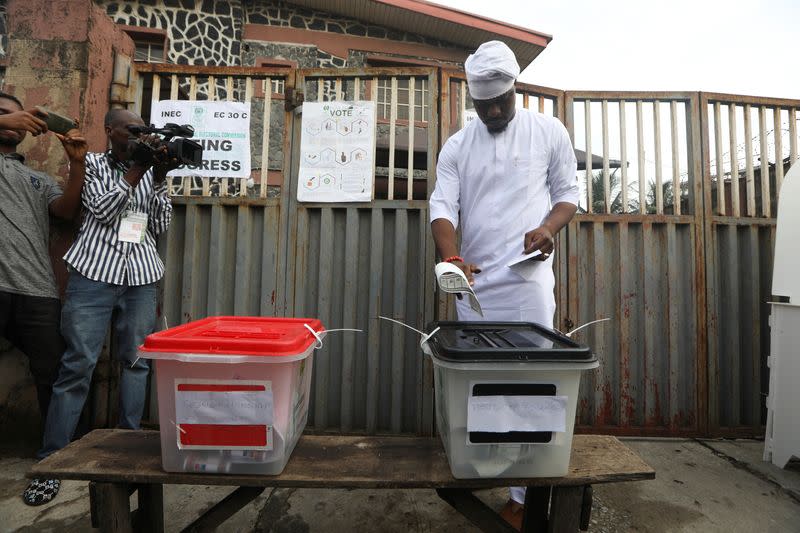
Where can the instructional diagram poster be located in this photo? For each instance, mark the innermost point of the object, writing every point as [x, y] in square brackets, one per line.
[337, 152]
[223, 128]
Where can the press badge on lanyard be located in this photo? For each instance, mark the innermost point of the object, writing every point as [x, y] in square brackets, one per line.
[133, 226]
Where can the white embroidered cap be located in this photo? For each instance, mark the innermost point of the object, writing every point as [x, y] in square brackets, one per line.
[491, 70]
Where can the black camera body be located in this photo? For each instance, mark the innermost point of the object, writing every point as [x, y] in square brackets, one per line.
[175, 137]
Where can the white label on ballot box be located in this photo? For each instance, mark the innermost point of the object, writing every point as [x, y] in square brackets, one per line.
[224, 415]
[501, 414]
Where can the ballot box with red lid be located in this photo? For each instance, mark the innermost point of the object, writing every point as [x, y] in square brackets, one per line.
[233, 392]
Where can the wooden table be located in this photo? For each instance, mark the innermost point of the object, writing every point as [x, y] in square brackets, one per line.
[119, 462]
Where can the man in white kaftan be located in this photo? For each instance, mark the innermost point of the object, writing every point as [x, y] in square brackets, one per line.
[510, 181]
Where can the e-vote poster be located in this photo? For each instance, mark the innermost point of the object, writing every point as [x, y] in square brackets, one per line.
[337, 152]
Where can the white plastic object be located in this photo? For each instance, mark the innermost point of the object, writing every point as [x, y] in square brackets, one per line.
[782, 438]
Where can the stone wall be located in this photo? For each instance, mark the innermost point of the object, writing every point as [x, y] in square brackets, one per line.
[200, 32]
[209, 32]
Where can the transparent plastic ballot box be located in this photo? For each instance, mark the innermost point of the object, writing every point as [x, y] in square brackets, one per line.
[233, 392]
[506, 395]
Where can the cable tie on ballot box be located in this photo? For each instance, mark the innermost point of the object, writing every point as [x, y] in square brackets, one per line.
[425, 336]
[319, 337]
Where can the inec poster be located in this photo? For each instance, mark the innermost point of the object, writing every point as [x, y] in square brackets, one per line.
[223, 128]
[337, 152]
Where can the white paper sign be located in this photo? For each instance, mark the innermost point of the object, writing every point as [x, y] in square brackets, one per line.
[337, 152]
[224, 403]
[223, 128]
[453, 280]
[501, 414]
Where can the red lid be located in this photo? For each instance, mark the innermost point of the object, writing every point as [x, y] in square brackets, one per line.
[237, 335]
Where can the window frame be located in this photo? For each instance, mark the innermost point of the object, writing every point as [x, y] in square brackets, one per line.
[149, 36]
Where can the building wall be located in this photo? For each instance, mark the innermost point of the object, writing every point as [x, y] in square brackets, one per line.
[66, 66]
[211, 32]
[201, 32]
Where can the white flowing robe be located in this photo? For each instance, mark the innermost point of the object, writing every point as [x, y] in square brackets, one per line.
[499, 187]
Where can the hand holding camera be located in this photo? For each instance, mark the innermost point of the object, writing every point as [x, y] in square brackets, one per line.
[75, 146]
[30, 121]
[65, 129]
[56, 123]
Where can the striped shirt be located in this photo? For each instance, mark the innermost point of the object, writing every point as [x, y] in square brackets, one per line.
[97, 253]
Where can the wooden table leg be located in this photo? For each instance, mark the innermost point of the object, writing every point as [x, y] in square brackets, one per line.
[220, 512]
[111, 507]
[565, 509]
[150, 518]
[586, 507]
[537, 502]
[474, 510]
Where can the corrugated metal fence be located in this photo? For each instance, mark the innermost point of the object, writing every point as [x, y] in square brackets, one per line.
[661, 246]
[350, 263]
[750, 144]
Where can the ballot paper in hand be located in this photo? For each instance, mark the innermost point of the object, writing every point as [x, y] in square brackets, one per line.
[525, 257]
[527, 265]
[452, 279]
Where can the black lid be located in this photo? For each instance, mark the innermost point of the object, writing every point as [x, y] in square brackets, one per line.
[477, 342]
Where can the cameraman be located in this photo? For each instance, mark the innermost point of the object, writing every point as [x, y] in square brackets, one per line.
[30, 311]
[114, 267]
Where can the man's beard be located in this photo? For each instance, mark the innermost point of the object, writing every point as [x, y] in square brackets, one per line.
[497, 129]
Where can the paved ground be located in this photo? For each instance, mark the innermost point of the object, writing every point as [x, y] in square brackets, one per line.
[701, 486]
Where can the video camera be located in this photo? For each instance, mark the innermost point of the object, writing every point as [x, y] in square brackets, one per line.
[175, 137]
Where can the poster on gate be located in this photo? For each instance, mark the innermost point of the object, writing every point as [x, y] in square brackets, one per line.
[223, 128]
[337, 152]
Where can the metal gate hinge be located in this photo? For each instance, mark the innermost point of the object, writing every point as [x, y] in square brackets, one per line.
[294, 99]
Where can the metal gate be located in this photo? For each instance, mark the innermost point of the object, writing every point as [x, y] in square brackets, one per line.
[636, 255]
[350, 263]
[247, 247]
[749, 143]
[661, 245]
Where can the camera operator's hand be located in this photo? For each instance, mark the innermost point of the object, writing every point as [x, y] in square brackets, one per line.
[163, 163]
[24, 121]
[74, 145]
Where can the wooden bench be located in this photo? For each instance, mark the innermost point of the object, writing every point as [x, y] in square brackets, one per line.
[119, 462]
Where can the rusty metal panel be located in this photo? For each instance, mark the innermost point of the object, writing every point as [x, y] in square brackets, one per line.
[640, 275]
[220, 258]
[740, 249]
[744, 254]
[220, 261]
[359, 267]
[638, 262]
[350, 263]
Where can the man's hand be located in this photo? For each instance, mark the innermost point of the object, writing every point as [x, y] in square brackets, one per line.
[23, 120]
[540, 238]
[74, 145]
[469, 269]
[163, 164]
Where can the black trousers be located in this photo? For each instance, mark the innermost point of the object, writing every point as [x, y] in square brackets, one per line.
[33, 325]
